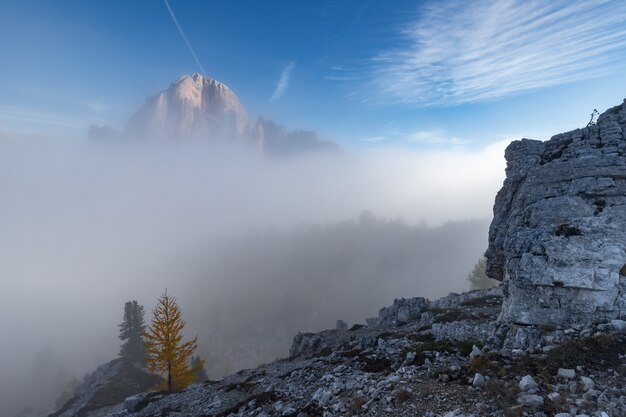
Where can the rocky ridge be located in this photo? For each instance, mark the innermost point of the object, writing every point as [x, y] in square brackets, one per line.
[101, 391]
[557, 240]
[418, 358]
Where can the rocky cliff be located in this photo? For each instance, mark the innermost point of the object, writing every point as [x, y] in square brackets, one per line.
[558, 237]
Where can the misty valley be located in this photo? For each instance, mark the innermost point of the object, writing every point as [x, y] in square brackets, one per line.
[313, 209]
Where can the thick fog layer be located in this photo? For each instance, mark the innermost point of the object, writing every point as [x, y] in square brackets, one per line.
[261, 289]
[254, 249]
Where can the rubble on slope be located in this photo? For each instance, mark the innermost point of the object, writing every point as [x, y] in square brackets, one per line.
[433, 362]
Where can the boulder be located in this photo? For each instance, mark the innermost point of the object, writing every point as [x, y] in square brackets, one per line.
[566, 373]
[479, 380]
[530, 400]
[527, 383]
[403, 310]
[135, 403]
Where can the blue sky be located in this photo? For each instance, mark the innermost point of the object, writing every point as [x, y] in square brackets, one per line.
[436, 74]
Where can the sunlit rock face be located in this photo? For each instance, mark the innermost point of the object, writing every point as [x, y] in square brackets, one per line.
[200, 109]
[193, 107]
[558, 237]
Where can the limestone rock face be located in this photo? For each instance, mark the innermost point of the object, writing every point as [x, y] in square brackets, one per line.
[200, 109]
[192, 107]
[558, 237]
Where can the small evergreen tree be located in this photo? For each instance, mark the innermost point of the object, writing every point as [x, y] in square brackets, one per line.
[167, 354]
[197, 363]
[131, 333]
[478, 278]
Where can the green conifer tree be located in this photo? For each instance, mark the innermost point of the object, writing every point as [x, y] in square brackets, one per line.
[131, 333]
[198, 364]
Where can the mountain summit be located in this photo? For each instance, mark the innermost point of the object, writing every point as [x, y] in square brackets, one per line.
[200, 109]
[193, 106]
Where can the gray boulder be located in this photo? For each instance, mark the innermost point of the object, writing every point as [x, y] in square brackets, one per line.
[530, 400]
[403, 310]
[135, 403]
[527, 383]
[567, 373]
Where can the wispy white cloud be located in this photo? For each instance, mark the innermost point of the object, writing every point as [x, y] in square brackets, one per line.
[182, 34]
[283, 82]
[464, 52]
[434, 137]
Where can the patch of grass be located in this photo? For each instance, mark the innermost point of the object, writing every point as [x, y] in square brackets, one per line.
[355, 405]
[555, 407]
[602, 350]
[376, 365]
[529, 365]
[422, 338]
[486, 301]
[465, 346]
[429, 344]
[505, 394]
[449, 316]
[437, 346]
[402, 396]
[597, 352]
[487, 364]
[353, 353]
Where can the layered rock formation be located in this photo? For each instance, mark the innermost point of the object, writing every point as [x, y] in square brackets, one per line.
[558, 237]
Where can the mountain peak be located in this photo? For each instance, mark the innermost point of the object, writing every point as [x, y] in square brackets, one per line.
[196, 107]
[198, 78]
[198, 88]
[192, 106]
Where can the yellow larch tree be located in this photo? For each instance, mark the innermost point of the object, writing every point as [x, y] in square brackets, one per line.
[166, 353]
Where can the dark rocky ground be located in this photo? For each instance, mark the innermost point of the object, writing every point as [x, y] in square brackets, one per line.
[418, 358]
[108, 385]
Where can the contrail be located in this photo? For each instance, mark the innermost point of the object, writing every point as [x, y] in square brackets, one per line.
[283, 83]
[180, 30]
